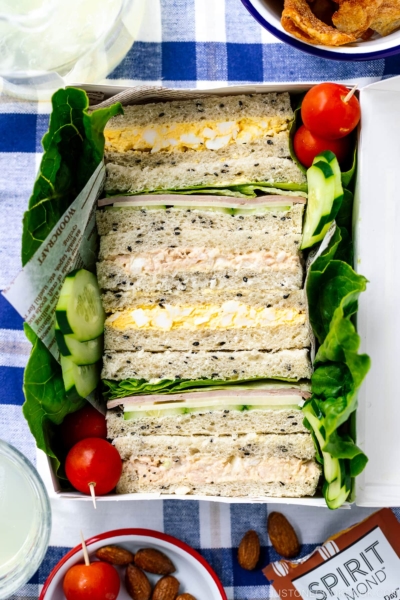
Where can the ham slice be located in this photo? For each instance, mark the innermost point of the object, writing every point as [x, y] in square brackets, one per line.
[201, 201]
[210, 395]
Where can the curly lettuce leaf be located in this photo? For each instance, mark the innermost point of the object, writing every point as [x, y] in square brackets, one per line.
[46, 403]
[333, 288]
[245, 190]
[134, 387]
[73, 148]
[332, 283]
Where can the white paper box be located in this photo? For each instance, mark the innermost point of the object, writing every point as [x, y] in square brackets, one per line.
[376, 225]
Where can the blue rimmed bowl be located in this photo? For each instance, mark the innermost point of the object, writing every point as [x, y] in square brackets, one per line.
[268, 14]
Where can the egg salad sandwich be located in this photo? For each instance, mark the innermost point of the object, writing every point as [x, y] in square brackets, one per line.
[215, 143]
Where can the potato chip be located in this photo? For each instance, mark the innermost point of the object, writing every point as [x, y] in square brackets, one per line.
[299, 20]
[354, 17]
[388, 18]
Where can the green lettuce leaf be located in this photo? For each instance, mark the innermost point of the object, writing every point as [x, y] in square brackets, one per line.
[333, 288]
[133, 387]
[245, 190]
[73, 147]
[332, 283]
[45, 403]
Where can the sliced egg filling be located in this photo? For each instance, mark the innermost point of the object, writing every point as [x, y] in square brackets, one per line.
[211, 135]
[229, 315]
[162, 260]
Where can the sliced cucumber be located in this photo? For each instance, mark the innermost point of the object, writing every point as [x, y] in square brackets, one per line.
[325, 195]
[79, 380]
[79, 310]
[259, 210]
[337, 484]
[81, 353]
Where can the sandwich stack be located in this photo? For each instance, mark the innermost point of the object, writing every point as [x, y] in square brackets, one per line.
[207, 337]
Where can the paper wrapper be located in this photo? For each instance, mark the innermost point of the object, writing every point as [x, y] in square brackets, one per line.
[363, 561]
[72, 244]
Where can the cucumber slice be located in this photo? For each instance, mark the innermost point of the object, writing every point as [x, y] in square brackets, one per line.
[79, 380]
[81, 353]
[325, 195]
[79, 310]
[260, 209]
[337, 484]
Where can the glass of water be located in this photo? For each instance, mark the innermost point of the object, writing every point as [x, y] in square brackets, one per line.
[47, 44]
[25, 520]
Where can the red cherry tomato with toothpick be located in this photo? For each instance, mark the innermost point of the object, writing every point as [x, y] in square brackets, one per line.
[93, 461]
[97, 581]
[84, 423]
[327, 112]
[307, 146]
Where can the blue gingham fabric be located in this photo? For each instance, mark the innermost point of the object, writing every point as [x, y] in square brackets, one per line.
[182, 43]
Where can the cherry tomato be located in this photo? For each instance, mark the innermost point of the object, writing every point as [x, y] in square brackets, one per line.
[97, 581]
[307, 146]
[93, 461]
[84, 423]
[325, 113]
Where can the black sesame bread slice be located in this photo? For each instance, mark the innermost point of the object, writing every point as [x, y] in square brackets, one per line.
[136, 173]
[230, 366]
[283, 216]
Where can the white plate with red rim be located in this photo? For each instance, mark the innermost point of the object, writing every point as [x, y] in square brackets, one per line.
[193, 572]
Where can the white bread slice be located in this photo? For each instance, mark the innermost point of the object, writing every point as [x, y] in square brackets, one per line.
[139, 172]
[208, 422]
[148, 221]
[213, 108]
[236, 366]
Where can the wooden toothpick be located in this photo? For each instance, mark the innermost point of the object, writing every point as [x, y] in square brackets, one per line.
[93, 493]
[84, 550]
[350, 94]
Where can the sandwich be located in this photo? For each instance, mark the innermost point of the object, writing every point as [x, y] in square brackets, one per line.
[215, 143]
[226, 303]
[207, 339]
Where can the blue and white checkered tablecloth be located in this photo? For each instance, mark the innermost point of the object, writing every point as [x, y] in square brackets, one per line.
[182, 43]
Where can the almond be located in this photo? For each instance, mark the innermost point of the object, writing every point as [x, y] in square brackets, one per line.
[137, 584]
[154, 561]
[166, 588]
[282, 535]
[185, 597]
[249, 550]
[115, 555]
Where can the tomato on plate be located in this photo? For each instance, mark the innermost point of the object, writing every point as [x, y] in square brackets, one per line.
[93, 461]
[325, 113]
[97, 581]
[84, 423]
[307, 146]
